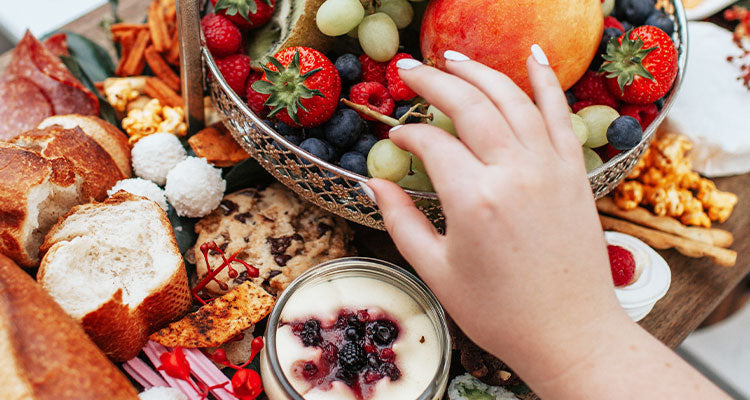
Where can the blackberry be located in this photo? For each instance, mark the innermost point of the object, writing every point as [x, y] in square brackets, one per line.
[390, 370]
[352, 357]
[310, 333]
[346, 376]
[352, 334]
[384, 332]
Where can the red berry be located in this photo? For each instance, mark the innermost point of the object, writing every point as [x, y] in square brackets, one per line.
[645, 114]
[256, 101]
[373, 71]
[233, 10]
[578, 106]
[235, 70]
[373, 95]
[592, 86]
[622, 263]
[612, 22]
[381, 130]
[222, 37]
[398, 89]
[610, 152]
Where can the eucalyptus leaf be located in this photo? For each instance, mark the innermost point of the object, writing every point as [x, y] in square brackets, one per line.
[106, 112]
[184, 229]
[94, 59]
[245, 174]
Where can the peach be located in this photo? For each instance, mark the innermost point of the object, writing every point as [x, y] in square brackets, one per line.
[499, 33]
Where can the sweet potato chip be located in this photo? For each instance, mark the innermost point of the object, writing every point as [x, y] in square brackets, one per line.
[161, 69]
[217, 322]
[157, 25]
[157, 89]
[134, 63]
[217, 146]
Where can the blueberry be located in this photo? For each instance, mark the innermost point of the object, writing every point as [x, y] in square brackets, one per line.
[355, 162]
[295, 138]
[318, 148]
[401, 110]
[660, 103]
[626, 25]
[570, 97]
[344, 128]
[608, 35]
[316, 132]
[661, 21]
[364, 144]
[352, 357]
[349, 68]
[624, 133]
[384, 332]
[634, 11]
[351, 334]
[285, 129]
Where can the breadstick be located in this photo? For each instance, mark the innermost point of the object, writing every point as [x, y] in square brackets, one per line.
[661, 240]
[641, 216]
[158, 27]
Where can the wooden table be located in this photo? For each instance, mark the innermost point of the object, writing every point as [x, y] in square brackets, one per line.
[697, 285]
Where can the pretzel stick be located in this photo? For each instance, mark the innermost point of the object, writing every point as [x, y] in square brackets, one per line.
[641, 216]
[135, 62]
[662, 241]
[158, 27]
[157, 89]
[161, 69]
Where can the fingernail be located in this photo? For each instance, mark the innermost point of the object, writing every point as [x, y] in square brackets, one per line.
[366, 189]
[407, 63]
[395, 128]
[455, 56]
[539, 55]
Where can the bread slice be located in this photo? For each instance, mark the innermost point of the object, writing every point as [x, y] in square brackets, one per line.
[36, 191]
[112, 140]
[115, 267]
[46, 354]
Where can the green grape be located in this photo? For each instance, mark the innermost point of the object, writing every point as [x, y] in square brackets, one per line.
[387, 161]
[598, 118]
[400, 11]
[580, 128]
[338, 17]
[591, 159]
[416, 180]
[378, 36]
[417, 165]
[608, 6]
[441, 120]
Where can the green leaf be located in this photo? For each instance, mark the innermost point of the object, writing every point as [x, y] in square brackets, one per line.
[184, 229]
[93, 58]
[263, 87]
[106, 112]
[113, 6]
[245, 174]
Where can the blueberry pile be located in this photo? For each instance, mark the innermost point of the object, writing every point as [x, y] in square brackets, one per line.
[642, 12]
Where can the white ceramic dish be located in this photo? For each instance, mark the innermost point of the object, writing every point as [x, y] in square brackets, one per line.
[707, 8]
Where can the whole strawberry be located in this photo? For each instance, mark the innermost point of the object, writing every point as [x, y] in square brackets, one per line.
[256, 101]
[246, 14]
[641, 65]
[235, 70]
[301, 85]
[592, 87]
[222, 37]
[398, 89]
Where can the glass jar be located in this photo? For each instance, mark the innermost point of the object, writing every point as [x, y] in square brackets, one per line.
[276, 383]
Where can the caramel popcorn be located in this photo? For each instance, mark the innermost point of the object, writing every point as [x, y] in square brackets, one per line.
[664, 181]
[121, 91]
[153, 118]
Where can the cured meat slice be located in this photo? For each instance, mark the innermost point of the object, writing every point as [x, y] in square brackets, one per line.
[57, 44]
[23, 105]
[31, 59]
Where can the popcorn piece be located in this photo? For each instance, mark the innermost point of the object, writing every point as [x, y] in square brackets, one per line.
[174, 121]
[153, 118]
[629, 195]
[121, 91]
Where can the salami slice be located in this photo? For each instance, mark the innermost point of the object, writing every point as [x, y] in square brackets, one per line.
[34, 61]
[23, 105]
[57, 44]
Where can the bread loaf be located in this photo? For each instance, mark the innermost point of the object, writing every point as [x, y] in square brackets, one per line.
[115, 267]
[46, 355]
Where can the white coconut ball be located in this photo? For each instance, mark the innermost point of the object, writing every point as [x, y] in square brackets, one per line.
[162, 393]
[194, 187]
[141, 187]
[155, 155]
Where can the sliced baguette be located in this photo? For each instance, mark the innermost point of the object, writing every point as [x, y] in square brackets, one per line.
[115, 267]
[36, 191]
[46, 354]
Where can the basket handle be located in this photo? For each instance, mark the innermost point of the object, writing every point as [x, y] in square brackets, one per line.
[191, 65]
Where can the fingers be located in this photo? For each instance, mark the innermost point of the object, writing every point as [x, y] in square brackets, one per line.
[551, 101]
[522, 115]
[478, 122]
[414, 235]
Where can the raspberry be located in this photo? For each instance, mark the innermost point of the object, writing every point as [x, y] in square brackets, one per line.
[373, 71]
[235, 70]
[256, 100]
[381, 130]
[398, 89]
[222, 37]
[592, 87]
[612, 22]
[578, 106]
[622, 264]
[374, 95]
[645, 114]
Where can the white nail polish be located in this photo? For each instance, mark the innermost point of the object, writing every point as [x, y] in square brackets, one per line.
[539, 55]
[407, 63]
[395, 128]
[366, 189]
[455, 56]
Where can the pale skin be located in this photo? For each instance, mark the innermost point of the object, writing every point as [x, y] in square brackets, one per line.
[523, 266]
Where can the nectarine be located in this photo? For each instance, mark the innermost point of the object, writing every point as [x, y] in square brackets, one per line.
[499, 33]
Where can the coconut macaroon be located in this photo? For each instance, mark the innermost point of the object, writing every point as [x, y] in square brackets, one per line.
[195, 187]
[155, 155]
[141, 187]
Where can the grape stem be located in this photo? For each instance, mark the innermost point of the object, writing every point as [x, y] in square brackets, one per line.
[364, 110]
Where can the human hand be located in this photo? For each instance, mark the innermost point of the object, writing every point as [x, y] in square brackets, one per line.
[523, 267]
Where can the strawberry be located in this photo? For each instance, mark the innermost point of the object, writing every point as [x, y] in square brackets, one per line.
[641, 65]
[373, 71]
[246, 14]
[580, 105]
[645, 114]
[592, 87]
[396, 87]
[374, 95]
[622, 263]
[235, 70]
[222, 37]
[301, 87]
[612, 22]
[256, 100]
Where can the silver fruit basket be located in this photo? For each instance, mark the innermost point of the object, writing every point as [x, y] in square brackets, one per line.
[330, 186]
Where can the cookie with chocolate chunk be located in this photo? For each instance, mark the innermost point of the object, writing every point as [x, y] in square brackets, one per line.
[272, 230]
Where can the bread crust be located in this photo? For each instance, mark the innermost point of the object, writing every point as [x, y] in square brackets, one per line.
[48, 355]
